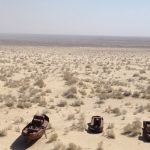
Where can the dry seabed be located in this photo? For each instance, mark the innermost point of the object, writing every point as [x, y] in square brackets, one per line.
[71, 85]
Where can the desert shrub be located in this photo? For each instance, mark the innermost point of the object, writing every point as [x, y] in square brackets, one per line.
[72, 146]
[118, 83]
[147, 107]
[23, 88]
[77, 103]
[59, 146]
[7, 98]
[117, 94]
[40, 83]
[33, 91]
[48, 91]
[69, 78]
[71, 93]
[9, 103]
[104, 95]
[52, 107]
[135, 75]
[126, 93]
[139, 109]
[110, 126]
[148, 90]
[100, 146]
[71, 117]
[42, 103]
[110, 134]
[3, 132]
[62, 103]
[13, 84]
[135, 94]
[52, 138]
[80, 125]
[142, 78]
[23, 105]
[145, 96]
[27, 105]
[116, 111]
[133, 129]
[43, 93]
[99, 102]
[17, 129]
[36, 99]
[18, 120]
[142, 71]
[20, 105]
[108, 110]
[82, 92]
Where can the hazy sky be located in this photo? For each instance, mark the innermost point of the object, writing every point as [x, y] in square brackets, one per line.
[81, 17]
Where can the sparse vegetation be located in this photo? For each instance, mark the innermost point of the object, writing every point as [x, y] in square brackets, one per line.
[52, 138]
[62, 103]
[71, 93]
[40, 83]
[80, 125]
[77, 103]
[72, 146]
[3, 132]
[100, 146]
[110, 134]
[133, 129]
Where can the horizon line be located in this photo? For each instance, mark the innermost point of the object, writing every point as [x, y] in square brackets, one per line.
[90, 35]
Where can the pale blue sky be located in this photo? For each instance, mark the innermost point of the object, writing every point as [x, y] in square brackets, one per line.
[81, 17]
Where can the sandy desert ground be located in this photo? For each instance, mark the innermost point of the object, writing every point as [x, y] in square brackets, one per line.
[71, 85]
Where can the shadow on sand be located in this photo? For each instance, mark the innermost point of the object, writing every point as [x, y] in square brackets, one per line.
[141, 138]
[21, 144]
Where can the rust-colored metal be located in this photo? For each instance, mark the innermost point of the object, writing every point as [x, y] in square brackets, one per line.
[146, 130]
[36, 128]
[96, 124]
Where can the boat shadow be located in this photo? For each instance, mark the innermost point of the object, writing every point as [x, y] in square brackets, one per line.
[21, 144]
[140, 138]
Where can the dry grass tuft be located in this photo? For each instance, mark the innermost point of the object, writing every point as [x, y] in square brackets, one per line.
[100, 146]
[17, 129]
[135, 94]
[23, 105]
[133, 129]
[69, 78]
[9, 103]
[71, 93]
[80, 125]
[110, 126]
[3, 132]
[18, 120]
[71, 117]
[52, 138]
[59, 146]
[116, 111]
[40, 83]
[72, 146]
[62, 103]
[110, 134]
[77, 103]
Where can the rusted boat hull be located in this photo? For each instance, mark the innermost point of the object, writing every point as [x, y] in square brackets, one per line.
[32, 132]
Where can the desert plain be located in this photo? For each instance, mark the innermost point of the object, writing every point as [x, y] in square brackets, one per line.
[70, 85]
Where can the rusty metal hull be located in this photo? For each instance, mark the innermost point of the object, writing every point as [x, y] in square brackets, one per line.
[35, 133]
